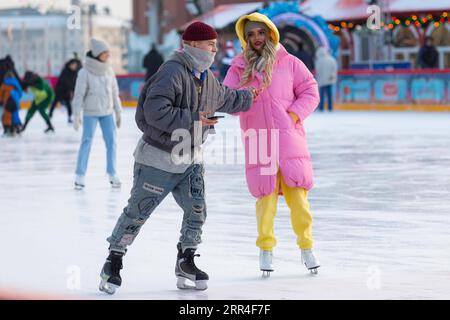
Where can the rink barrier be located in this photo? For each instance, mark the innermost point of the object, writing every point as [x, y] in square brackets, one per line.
[365, 90]
[396, 90]
[7, 294]
[392, 107]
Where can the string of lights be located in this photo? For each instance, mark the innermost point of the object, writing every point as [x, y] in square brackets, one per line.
[422, 21]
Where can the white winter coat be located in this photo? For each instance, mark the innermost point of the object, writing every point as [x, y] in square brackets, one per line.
[96, 90]
[326, 68]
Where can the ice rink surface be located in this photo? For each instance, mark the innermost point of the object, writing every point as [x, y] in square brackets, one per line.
[381, 207]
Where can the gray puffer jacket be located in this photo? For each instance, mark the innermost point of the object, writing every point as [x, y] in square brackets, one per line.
[170, 100]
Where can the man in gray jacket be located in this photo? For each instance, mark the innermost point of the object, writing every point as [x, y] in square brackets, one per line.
[175, 102]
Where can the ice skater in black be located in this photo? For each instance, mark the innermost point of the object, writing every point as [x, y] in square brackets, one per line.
[65, 87]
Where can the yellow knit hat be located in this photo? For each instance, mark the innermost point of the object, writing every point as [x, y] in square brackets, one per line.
[257, 17]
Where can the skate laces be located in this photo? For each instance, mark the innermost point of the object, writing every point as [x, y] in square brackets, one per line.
[190, 259]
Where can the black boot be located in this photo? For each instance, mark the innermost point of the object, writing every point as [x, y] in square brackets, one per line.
[50, 127]
[24, 126]
[18, 129]
[7, 131]
[185, 269]
[110, 274]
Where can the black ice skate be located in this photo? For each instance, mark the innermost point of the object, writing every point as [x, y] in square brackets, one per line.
[185, 269]
[49, 130]
[110, 275]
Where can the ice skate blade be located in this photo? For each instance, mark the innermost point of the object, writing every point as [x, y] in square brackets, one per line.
[199, 284]
[108, 288]
[266, 273]
[79, 186]
[314, 271]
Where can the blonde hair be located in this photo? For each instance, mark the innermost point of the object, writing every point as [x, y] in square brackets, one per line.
[251, 58]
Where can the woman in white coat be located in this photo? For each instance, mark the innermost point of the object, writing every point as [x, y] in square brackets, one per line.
[96, 99]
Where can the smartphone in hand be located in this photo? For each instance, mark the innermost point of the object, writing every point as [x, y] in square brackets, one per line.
[215, 117]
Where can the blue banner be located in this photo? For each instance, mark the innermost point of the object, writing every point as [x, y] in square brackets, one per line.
[400, 88]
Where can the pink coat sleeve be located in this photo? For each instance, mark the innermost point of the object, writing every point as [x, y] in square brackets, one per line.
[232, 80]
[306, 91]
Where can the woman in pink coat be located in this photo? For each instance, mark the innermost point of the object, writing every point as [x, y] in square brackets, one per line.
[277, 160]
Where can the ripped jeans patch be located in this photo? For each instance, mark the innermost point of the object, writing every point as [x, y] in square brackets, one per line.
[197, 184]
[147, 205]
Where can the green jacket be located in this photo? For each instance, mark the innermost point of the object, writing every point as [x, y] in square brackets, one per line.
[42, 92]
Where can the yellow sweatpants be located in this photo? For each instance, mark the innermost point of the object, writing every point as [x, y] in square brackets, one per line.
[301, 218]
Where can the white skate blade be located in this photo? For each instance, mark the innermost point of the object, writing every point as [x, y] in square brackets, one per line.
[314, 271]
[266, 273]
[79, 186]
[199, 284]
[106, 287]
[266, 270]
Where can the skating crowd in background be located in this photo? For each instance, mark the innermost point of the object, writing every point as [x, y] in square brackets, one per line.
[12, 89]
[10, 95]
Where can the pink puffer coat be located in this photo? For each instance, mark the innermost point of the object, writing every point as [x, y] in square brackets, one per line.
[293, 89]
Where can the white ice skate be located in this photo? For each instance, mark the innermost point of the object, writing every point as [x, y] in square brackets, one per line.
[265, 262]
[310, 261]
[115, 182]
[79, 182]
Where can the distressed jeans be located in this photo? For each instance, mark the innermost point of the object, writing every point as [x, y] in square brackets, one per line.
[150, 187]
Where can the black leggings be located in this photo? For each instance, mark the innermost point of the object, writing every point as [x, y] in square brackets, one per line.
[64, 100]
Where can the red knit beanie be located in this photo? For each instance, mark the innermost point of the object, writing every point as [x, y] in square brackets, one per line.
[199, 31]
